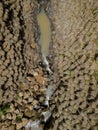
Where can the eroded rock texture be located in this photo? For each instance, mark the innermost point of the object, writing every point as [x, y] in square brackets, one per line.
[75, 101]
[12, 41]
[21, 77]
[75, 51]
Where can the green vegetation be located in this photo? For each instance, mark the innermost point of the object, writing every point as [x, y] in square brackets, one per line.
[96, 125]
[19, 118]
[16, 96]
[4, 109]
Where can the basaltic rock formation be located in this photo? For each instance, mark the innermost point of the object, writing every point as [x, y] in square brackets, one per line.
[75, 102]
[73, 60]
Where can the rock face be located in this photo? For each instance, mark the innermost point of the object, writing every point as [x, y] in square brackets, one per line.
[75, 42]
[12, 44]
[23, 81]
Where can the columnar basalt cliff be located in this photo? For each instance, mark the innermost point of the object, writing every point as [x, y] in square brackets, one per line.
[74, 62]
[75, 102]
[22, 80]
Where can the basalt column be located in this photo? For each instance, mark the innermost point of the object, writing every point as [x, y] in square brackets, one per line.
[21, 77]
[75, 42]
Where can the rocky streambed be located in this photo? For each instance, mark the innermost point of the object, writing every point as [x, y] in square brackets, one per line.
[73, 58]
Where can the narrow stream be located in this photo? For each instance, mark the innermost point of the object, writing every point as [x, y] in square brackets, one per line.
[45, 36]
[44, 26]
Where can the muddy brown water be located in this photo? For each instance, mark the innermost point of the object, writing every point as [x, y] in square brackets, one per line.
[23, 80]
[45, 32]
